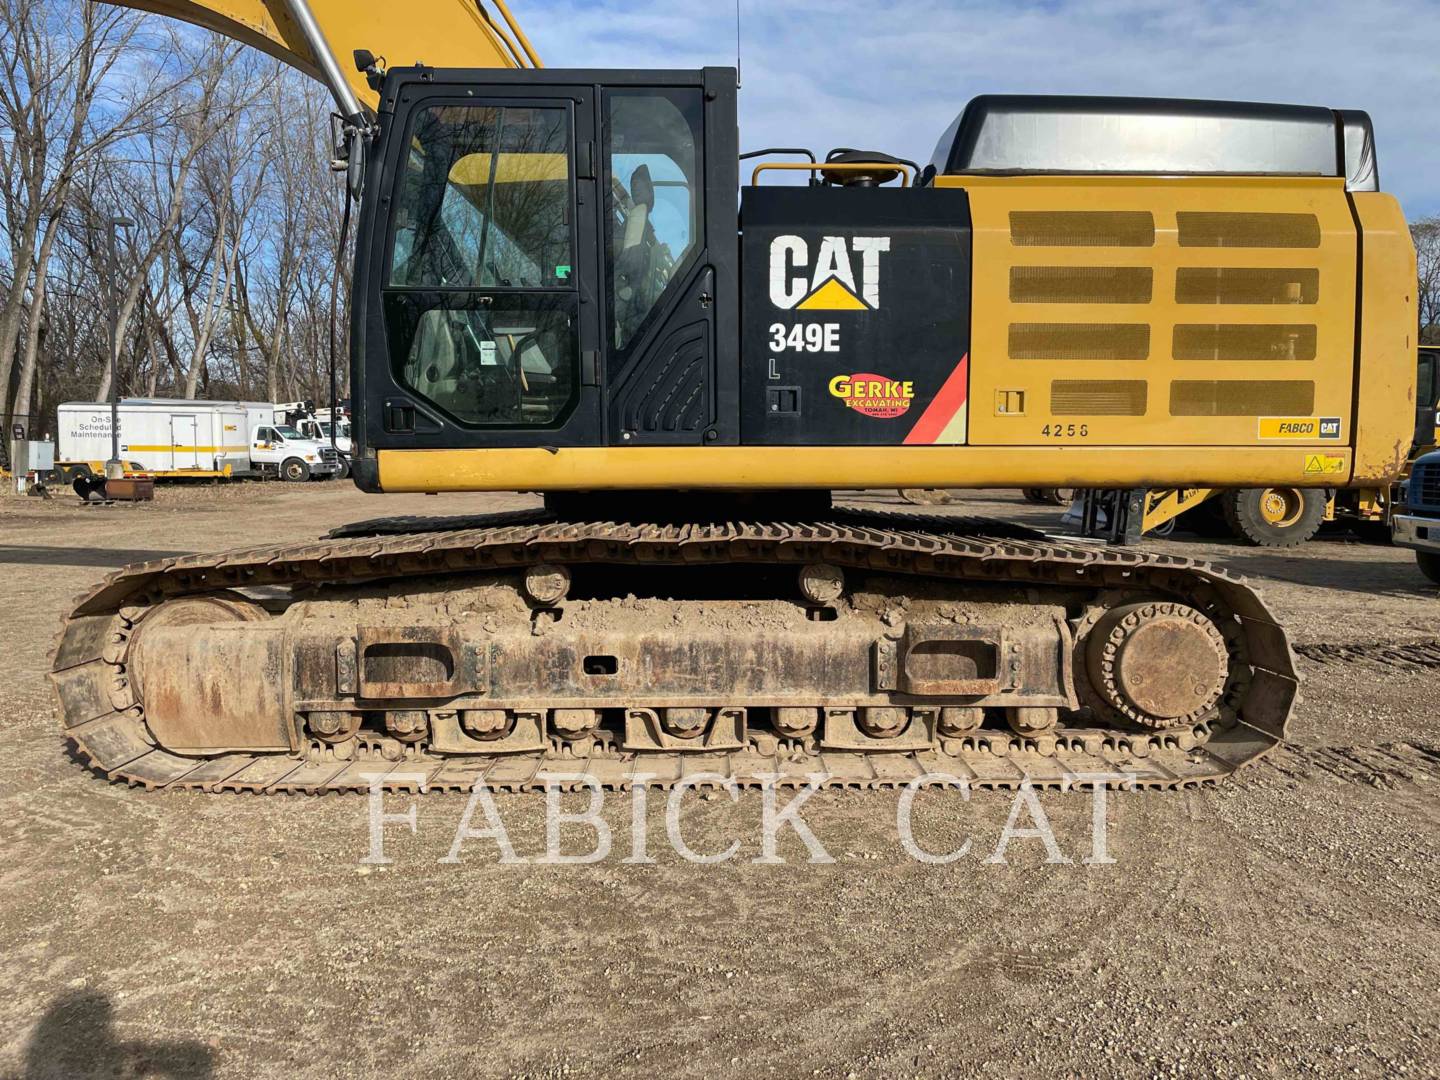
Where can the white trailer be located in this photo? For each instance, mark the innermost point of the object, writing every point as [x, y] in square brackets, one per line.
[168, 437]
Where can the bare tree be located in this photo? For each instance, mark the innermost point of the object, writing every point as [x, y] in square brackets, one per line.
[226, 280]
[1426, 233]
[54, 59]
[176, 147]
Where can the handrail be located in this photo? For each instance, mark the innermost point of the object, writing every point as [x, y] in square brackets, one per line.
[848, 166]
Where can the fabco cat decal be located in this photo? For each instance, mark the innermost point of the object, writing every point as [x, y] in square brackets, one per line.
[874, 395]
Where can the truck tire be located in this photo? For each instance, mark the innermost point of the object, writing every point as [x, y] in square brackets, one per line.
[294, 470]
[344, 470]
[1276, 517]
[1429, 563]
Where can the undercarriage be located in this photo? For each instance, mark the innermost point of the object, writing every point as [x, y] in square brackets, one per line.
[856, 650]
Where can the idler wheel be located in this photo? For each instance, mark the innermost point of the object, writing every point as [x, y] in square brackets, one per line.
[218, 607]
[1158, 664]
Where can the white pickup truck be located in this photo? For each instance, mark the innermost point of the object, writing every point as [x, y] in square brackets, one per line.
[319, 430]
[283, 451]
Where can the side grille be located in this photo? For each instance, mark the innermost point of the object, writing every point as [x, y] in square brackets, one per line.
[1241, 341]
[1082, 228]
[1210, 229]
[1079, 341]
[1246, 285]
[671, 392]
[1080, 284]
[1425, 486]
[1098, 397]
[1241, 397]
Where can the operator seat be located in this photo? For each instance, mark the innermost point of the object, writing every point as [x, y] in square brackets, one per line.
[433, 369]
[633, 261]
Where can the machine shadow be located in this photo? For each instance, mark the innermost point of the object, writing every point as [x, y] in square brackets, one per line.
[75, 1040]
[1376, 578]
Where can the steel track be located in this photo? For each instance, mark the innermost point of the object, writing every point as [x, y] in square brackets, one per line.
[103, 720]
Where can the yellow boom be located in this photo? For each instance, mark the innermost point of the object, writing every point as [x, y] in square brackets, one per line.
[441, 33]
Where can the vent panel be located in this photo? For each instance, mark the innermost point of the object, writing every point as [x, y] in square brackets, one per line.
[1246, 285]
[1200, 229]
[1242, 397]
[1098, 397]
[1082, 228]
[1239, 341]
[1080, 284]
[1079, 341]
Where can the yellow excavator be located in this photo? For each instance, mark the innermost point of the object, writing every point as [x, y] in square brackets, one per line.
[553, 293]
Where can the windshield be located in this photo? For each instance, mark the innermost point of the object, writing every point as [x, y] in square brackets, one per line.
[288, 433]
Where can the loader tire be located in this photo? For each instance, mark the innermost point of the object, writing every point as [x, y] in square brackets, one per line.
[1429, 564]
[294, 470]
[1276, 517]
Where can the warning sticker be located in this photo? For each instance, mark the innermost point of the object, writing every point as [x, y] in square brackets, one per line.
[1324, 465]
[1300, 427]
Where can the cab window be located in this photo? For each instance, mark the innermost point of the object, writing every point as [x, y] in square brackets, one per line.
[1428, 385]
[653, 196]
[485, 199]
[481, 302]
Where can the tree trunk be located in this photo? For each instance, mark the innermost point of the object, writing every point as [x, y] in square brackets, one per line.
[25, 390]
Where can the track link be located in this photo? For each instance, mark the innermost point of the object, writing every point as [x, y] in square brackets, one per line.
[104, 720]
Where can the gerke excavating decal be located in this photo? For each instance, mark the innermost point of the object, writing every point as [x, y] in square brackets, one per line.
[845, 275]
[873, 395]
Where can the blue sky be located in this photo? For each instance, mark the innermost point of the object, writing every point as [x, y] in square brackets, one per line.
[891, 76]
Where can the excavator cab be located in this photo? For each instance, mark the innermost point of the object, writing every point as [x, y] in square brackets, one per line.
[541, 255]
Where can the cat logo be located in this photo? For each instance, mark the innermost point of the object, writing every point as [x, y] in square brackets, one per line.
[832, 283]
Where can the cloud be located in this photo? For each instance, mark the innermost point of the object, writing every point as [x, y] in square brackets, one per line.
[891, 76]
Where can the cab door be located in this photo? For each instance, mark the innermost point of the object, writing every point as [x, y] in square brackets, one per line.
[485, 332]
[669, 178]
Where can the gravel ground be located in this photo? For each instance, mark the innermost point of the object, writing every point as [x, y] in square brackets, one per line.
[1285, 923]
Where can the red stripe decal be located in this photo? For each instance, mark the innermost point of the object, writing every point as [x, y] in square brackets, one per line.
[942, 409]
